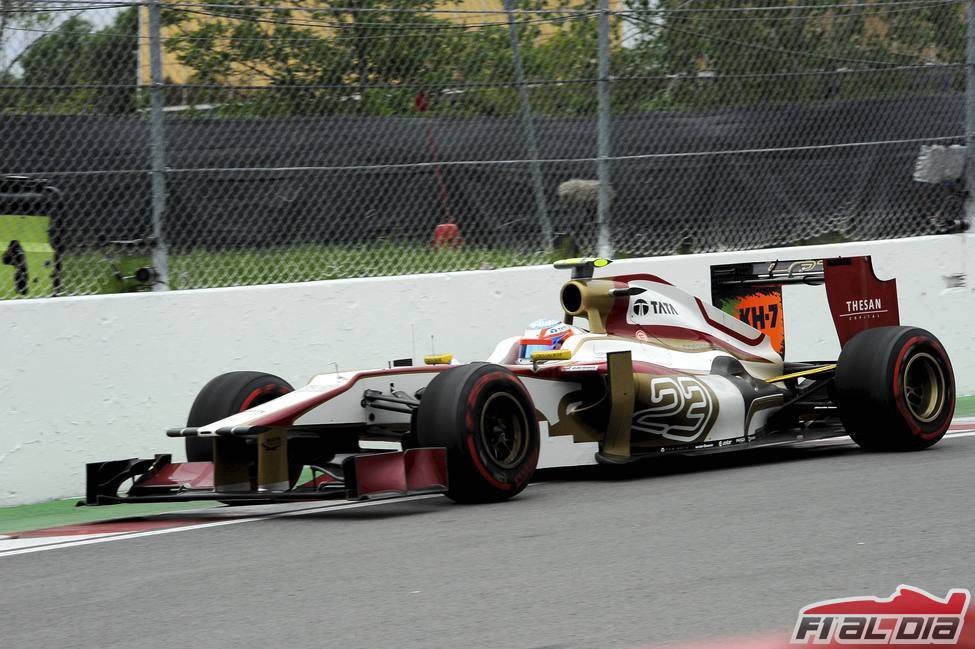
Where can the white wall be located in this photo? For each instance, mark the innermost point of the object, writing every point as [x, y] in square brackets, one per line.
[97, 378]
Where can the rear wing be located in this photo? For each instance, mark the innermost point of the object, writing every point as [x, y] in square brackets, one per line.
[858, 300]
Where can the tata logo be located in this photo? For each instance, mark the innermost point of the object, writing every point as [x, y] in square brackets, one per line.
[643, 307]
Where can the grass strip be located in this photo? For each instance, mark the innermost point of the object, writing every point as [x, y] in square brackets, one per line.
[64, 512]
[965, 407]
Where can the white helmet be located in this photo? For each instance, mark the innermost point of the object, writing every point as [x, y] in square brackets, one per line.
[544, 335]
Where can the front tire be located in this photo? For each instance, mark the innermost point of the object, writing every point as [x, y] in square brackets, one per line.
[483, 415]
[895, 389]
[227, 395]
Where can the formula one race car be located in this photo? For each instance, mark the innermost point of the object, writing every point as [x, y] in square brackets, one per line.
[650, 372]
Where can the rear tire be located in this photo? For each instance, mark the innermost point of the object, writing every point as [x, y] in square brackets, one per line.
[227, 395]
[483, 415]
[895, 389]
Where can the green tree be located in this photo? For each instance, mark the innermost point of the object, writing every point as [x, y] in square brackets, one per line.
[113, 61]
[776, 55]
[558, 45]
[321, 58]
[375, 56]
[79, 69]
[17, 16]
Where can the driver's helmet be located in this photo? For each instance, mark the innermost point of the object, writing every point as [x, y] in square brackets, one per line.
[543, 335]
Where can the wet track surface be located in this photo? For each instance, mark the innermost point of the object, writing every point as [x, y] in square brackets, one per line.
[724, 545]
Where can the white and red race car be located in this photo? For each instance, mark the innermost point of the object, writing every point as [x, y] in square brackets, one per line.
[637, 368]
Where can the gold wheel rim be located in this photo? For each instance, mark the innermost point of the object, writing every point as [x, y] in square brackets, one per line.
[924, 387]
[504, 430]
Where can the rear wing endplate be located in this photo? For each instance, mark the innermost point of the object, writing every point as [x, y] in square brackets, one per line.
[858, 300]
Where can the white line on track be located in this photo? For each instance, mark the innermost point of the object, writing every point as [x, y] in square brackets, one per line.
[88, 540]
[200, 526]
[7, 543]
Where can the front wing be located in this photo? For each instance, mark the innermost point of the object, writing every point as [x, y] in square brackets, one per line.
[365, 476]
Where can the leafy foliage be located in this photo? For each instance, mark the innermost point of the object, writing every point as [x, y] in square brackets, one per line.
[377, 56]
[403, 58]
[77, 68]
[709, 58]
[15, 17]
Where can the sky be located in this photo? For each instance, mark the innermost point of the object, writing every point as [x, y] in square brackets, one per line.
[16, 40]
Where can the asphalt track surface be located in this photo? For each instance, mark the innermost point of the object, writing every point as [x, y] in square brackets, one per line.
[720, 546]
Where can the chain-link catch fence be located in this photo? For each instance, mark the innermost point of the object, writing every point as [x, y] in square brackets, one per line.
[184, 144]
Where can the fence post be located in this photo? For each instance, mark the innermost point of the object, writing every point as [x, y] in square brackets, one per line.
[157, 148]
[526, 121]
[604, 241]
[970, 118]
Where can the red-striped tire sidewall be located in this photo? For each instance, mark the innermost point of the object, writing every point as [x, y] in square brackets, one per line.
[924, 431]
[226, 395]
[869, 389]
[450, 415]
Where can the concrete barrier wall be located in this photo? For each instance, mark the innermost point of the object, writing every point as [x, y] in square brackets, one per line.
[90, 378]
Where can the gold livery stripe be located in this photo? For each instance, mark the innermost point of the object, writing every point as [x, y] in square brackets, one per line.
[815, 370]
[553, 355]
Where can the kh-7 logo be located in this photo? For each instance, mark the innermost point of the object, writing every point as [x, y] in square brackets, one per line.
[759, 317]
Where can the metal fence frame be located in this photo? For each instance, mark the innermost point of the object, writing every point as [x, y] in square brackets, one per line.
[161, 175]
